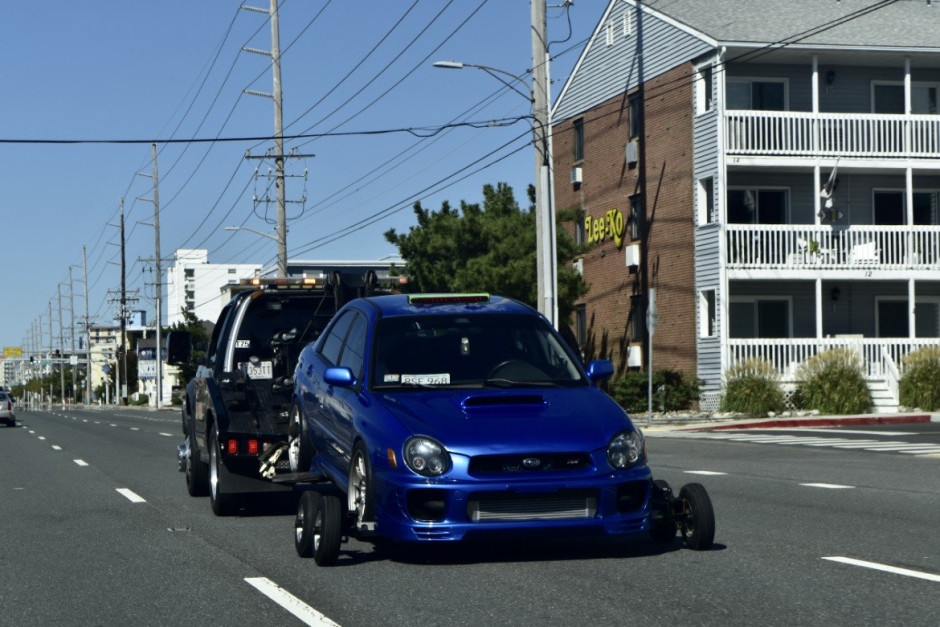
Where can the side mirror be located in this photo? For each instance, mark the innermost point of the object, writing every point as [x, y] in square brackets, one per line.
[178, 347]
[600, 370]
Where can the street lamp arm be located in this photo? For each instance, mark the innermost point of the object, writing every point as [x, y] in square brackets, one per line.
[245, 228]
[492, 71]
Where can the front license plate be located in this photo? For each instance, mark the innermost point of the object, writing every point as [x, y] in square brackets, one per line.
[263, 370]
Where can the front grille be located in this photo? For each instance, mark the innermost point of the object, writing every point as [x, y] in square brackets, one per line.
[563, 505]
[534, 462]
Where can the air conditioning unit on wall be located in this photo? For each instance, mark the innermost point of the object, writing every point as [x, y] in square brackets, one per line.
[578, 265]
[633, 255]
[576, 175]
[634, 356]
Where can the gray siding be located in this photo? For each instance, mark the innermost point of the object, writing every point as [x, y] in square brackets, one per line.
[708, 276]
[606, 71]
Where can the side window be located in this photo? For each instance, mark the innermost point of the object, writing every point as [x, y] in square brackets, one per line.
[333, 342]
[355, 348]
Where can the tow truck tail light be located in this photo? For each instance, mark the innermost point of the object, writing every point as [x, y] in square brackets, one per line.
[252, 446]
[231, 447]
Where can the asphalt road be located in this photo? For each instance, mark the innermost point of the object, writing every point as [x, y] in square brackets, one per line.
[98, 530]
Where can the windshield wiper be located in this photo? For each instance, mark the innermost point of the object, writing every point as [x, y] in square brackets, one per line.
[509, 383]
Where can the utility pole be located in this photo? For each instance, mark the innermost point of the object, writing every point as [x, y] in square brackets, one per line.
[87, 330]
[279, 156]
[61, 350]
[122, 390]
[159, 268]
[546, 244]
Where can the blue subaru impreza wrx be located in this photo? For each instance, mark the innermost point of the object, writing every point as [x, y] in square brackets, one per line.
[433, 417]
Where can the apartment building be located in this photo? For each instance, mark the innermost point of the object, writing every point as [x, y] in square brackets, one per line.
[770, 169]
[194, 285]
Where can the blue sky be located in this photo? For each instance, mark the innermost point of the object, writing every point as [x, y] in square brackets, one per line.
[109, 77]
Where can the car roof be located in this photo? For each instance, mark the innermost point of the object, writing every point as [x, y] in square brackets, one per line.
[443, 304]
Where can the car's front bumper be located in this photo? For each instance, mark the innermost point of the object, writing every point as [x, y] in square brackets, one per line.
[614, 503]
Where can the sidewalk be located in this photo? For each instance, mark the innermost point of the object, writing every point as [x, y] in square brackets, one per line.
[717, 422]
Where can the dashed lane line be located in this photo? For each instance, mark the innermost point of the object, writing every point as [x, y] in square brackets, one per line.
[131, 496]
[80, 462]
[907, 572]
[289, 602]
[829, 486]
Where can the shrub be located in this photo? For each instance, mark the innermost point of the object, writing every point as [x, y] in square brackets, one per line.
[142, 399]
[671, 392]
[832, 382]
[920, 383]
[752, 387]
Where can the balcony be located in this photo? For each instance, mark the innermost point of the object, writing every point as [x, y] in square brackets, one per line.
[790, 133]
[803, 247]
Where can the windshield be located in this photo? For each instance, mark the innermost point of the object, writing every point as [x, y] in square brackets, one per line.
[482, 349]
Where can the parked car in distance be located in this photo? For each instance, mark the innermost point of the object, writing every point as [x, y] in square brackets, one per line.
[6, 409]
[433, 418]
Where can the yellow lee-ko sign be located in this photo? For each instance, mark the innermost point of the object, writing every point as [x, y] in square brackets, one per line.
[611, 224]
[12, 351]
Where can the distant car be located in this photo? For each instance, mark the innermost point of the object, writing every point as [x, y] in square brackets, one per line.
[431, 418]
[6, 409]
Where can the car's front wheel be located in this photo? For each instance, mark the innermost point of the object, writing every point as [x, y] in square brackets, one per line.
[360, 497]
[299, 448]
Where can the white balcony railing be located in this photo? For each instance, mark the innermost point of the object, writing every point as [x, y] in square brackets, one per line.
[793, 133]
[881, 358]
[796, 246]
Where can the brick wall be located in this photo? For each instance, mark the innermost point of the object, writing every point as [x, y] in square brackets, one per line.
[608, 183]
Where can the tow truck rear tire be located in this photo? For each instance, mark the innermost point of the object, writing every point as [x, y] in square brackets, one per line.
[197, 473]
[222, 503]
[697, 521]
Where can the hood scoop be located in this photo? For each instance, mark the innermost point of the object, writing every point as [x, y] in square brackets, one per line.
[514, 400]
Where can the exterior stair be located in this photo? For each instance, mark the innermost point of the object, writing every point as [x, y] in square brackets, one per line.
[883, 401]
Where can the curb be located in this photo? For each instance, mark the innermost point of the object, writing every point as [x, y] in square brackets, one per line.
[814, 421]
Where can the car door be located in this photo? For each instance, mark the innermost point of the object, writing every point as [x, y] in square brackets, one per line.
[320, 410]
[345, 400]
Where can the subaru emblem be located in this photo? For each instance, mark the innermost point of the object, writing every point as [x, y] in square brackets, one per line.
[531, 462]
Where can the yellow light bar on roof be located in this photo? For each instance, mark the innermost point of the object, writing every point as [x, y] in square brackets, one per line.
[446, 299]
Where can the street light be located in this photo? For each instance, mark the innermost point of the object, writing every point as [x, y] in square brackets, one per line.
[245, 228]
[545, 241]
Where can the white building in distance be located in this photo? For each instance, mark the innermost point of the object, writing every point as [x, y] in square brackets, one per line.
[194, 284]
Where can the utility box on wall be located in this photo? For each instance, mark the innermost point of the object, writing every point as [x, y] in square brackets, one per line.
[633, 255]
[634, 356]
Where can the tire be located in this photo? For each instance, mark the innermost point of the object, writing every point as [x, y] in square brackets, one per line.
[303, 523]
[360, 492]
[698, 518]
[318, 527]
[299, 450]
[222, 503]
[663, 524]
[197, 473]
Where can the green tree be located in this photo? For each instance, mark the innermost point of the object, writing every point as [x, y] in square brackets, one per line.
[199, 332]
[484, 248]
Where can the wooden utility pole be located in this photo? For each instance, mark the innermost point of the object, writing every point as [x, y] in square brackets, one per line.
[159, 277]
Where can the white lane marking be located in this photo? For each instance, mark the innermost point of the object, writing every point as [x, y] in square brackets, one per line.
[828, 486]
[930, 452]
[854, 431]
[31, 432]
[710, 473]
[42, 437]
[113, 425]
[80, 462]
[135, 428]
[168, 435]
[884, 567]
[131, 496]
[56, 447]
[289, 602]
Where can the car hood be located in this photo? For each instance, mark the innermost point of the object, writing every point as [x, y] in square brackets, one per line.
[501, 421]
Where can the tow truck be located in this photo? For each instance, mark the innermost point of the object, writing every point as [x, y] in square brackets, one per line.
[235, 411]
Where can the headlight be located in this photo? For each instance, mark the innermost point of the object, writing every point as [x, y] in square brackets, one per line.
[625, 449]
[426, 457]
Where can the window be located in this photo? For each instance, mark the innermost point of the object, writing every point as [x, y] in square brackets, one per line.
[891, 317]
[581, 325]
[757, 94]
[333, 342]
[355, 348]
[708, 323]
[579, 140]
[891, 207]
[634, 120]
[760, 317]
[889, 98]
[706, 201]
[927, 317]
[636, 209]
[758, 206]
[580, 236]
[637, 318]
[704, 89]
[609, 34]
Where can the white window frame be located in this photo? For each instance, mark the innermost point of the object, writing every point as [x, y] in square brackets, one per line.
[704, 102]
[900, 84]
[708, 327]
